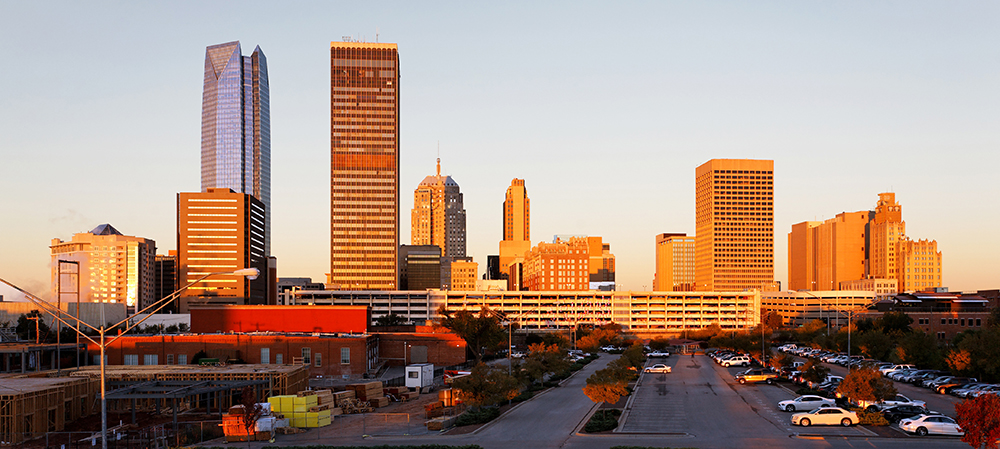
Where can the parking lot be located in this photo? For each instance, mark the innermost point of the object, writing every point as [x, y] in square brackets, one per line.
[701, 398]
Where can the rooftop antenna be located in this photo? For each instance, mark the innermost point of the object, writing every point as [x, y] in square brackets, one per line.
[376, 35]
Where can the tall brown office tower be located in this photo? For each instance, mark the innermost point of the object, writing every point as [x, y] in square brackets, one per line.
[734, 238]
[220, 231]
[364, 165]
[438, 216]
[516, 225]
[887, 229]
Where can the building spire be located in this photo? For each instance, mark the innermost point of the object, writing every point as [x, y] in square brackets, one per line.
[439, 167]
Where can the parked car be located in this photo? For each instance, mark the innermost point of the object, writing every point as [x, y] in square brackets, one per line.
[657, 368]
[756, 375]
[807, 402]
[894, 402]
[831, 416]
[889, 370]
[900, 412]
[740, 360]
[931, 424]
[829, 378]
[658, 354]
[955, 382]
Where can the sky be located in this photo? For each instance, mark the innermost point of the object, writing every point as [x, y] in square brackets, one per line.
[604, 108]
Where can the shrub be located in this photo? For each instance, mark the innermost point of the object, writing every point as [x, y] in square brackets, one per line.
[872, 419]
[576, 367]
[482, 415]
[603, 420]
[524, 396]
[804, 391]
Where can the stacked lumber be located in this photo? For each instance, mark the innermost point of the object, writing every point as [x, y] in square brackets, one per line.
[341, 396]
[441, 423]
[367, 391]
[325, 397]
[378, 402]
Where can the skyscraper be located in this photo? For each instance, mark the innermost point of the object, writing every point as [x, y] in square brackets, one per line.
[438, 216]
[216, 233]
[734, 237]
[364, 165]
[674, 263]
[236, 126]
[887, 229]
[821, 255]
[516, 225]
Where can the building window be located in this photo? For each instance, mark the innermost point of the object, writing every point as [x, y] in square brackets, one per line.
[131, 359]
[319, 360]
[265, 355]
[979, 322]
[940, 335]
[182, 359]
[151, 359]
[944, 321]
[170, 359]
[305, 355]
[963, 322]
[345, 356]
[278, 359]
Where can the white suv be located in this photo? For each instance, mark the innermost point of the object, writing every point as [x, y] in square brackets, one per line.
[741, 360]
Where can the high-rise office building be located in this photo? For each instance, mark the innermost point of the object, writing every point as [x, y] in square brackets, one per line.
[236, 126]
[364, 165]
[113, 267]
[516, 225]
[420, 267]
[438, 216]
[887, 230]
[602, 262]
[822, 255]
[734, 238]
[674, 263]
[165, 278]
[218, 232]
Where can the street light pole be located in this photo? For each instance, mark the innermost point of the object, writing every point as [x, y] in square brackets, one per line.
[249, 273]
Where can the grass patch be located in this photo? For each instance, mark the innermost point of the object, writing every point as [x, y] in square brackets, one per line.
[482, 415]
[603, 420]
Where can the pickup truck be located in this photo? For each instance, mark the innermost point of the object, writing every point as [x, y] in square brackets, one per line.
[756, 375]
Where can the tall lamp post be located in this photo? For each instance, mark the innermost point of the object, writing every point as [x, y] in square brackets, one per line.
[58, 314]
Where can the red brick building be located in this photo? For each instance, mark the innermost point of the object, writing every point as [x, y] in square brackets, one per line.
[305, 319]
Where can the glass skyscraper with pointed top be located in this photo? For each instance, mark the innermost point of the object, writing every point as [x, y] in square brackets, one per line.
[236, 126]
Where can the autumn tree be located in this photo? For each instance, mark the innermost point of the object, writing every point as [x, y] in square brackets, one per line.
[876, 344]
[482, 331]
[599, 337]
[486, 385]
[984, 353]
[782, 360]
[980, 419]
[866, 385]
[606, 385]
[542, 360]
[252, 411]
[918, 348]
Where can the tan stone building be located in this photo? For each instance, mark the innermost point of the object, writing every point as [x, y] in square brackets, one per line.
[881, 287]
[113, 267]
[464, 275]
[364, 165]
[674, 263]
[920, 265]
[558, 266]
[220, 231]
[734, 238]
[438, 216]
[602, 262]
[887, 229]
[821, 255]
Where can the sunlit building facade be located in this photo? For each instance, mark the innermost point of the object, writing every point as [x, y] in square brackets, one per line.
[558, 266]
[836, 308]
[114, 268]
[516, 226]
[463, 274]
[236, 125]
[920, 265]
[438, 216]
[220, 231]
[734, 238]
[364, 165]
[822, 255]
[674, 263]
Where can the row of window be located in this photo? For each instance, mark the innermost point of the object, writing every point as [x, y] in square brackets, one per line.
[265, 358]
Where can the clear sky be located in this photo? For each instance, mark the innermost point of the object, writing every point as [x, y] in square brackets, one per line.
[604, 108]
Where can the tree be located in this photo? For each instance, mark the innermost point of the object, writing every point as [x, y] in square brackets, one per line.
[814, 371]
[772, 320]
[252, 411]
[606, 385]
[810, 329]
[782, 361]
[959, 361]
[894, 323]
[392, 319]
[481, 331]
[876, 344]
[980, 419]
[599, 337]
[659, 343]
[919, 348]
[542, 360]
[26, 326]
[866, 386]
[994, 319]
[486, 386]
[984, 353]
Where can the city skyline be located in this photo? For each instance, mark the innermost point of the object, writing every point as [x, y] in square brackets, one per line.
[849, 100]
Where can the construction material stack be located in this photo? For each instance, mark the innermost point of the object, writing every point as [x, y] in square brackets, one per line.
[302, 409]
[370, 392]
[263, 429]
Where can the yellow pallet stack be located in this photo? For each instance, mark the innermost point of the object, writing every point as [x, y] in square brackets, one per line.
[296, 410]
